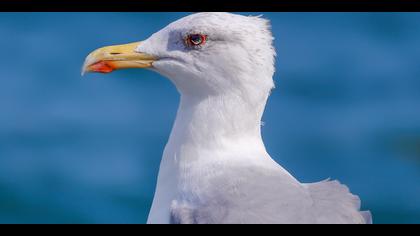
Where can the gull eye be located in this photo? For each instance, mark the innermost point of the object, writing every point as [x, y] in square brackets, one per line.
[196, 39]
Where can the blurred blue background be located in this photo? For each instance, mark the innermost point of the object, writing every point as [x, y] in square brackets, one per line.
[87, 150]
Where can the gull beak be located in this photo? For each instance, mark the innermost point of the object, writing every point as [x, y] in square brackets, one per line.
[108, 59]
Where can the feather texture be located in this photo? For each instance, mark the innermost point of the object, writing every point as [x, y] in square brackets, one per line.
[215, 168]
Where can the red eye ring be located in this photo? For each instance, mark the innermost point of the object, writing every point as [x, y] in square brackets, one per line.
[196, 39]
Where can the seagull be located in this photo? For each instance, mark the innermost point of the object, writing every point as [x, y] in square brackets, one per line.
[215, 168]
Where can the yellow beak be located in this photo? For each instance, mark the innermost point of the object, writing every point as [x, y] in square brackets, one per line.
[108, 59]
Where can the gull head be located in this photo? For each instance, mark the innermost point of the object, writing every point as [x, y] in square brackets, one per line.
[203, 54]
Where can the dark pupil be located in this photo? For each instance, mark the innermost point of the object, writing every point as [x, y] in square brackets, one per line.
[195, 39]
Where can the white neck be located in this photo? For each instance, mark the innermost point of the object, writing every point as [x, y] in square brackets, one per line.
[204, 122]
[205, 129]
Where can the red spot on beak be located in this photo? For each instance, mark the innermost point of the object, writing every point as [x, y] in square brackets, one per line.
[102, 67]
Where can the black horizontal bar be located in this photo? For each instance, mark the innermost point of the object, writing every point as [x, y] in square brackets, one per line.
[210, 5]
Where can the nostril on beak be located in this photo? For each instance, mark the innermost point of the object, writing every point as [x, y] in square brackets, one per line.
[115, 53]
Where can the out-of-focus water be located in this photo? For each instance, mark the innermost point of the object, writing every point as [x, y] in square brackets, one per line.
[87, 150]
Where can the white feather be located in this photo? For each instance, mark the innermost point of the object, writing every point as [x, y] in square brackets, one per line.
[215, 168]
